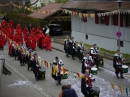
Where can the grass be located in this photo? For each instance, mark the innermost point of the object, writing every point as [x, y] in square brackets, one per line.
[108, 54]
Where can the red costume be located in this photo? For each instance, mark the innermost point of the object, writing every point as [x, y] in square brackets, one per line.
[1, 42]
[48, 43]
[33, 44]
[19, 29]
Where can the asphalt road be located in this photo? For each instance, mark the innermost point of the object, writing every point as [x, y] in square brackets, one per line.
[46, 88]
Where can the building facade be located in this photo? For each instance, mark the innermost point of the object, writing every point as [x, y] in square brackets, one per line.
[100, 29]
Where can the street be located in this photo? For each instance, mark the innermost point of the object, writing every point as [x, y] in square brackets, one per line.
[22, 82]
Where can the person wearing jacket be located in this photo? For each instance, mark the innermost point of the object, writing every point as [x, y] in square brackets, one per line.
[117, 64]
[86, 83]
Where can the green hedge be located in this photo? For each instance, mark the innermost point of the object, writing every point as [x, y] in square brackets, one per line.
[18, 18]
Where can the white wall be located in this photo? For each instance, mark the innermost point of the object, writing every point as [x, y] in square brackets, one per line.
[104, 36]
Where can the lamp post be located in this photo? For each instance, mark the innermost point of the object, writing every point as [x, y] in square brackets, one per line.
[119, 5]
[23, 1]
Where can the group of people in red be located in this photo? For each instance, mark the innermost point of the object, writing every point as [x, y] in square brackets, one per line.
[32, 38]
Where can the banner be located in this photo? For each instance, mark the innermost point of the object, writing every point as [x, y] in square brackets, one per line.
[80, 14]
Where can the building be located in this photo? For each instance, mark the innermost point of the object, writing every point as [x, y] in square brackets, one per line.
[101, 28]
[53, 14]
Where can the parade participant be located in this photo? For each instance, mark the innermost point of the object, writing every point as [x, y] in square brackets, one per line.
[1, 42]
[21, 57]
[94, 53]
[38, 30]
[11, 23]
[57, 75]
[66, 46]
[18, 29]
[72, 46]
[30, 27]
[69, 92]
[80, 51]
[86, 83]
[10, 48]
[15, 52]
[87, 63]
[25, 32]
[35, 66]
[48, 42]
[33, 43]
[117, 64]
[29, 60]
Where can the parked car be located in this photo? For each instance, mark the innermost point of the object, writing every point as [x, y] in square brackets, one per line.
[54, 29]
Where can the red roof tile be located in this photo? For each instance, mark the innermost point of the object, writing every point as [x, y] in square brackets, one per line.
[54, 7]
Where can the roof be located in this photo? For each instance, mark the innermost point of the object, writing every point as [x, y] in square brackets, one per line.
[99, 5]
[50, 9]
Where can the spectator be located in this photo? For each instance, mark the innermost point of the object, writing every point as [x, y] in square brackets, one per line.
[69, 92]
[61, 92]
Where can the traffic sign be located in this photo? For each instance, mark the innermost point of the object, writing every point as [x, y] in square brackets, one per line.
[118, 34]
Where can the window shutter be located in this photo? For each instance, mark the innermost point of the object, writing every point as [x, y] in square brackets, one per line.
[106, 20]
[96, 18]
[126, 20]
[121, 20]
[116, 19]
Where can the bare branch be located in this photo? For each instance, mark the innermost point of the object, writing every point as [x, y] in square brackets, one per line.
[32, 3]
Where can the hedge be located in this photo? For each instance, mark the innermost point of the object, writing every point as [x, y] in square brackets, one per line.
[18, 18]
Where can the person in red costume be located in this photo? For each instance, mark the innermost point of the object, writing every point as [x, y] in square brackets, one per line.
[34, 41]
[12, 28]
[4, 23]
[25, 32]
[18, 29]
[10, 48]
[7, 30]
[38, 30]
[38, 38]
[1, 42]
[29, 41]
[4, 38]
[33, 31]
[48, 42]
[11, 23]
[43, 41]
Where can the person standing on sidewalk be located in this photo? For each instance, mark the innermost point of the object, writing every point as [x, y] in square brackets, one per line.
[117, 63]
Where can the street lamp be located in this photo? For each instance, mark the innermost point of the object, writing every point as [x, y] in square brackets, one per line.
[119, 5]
[23, 1]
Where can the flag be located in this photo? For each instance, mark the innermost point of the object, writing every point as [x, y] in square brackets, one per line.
[74, 74]
[64, 71]
[127, 91]
[121, 89]
[78, 74]
[45, 63]
[50, 65]
[113, 86]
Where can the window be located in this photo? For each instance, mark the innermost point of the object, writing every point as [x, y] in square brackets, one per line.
[87, 37]
[121, 43]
